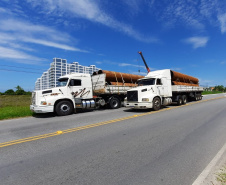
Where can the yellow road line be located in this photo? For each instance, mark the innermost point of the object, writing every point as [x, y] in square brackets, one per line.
[33, 138]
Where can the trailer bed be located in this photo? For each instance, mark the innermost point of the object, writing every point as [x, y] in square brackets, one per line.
[101, 86]
[185, 88]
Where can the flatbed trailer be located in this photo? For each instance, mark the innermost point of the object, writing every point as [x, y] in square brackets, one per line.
[83, 91]
[161, 88]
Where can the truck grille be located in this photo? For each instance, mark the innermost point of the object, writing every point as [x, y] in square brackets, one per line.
[33, 98]
[132, 96]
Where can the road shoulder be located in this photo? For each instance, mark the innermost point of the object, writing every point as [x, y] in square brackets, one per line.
[208, 175]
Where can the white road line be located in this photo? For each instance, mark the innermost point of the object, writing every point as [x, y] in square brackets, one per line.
[209, 167]
[210, 94]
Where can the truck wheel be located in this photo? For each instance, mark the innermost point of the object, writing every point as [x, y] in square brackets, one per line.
[179, 100]
[156, 103]
[114, 103]
[197, 98]
[64, 108]
[184, 99]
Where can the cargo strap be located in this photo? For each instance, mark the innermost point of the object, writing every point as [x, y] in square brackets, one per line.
[117, 81]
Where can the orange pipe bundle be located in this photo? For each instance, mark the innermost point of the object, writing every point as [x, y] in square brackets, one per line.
[179, 77]
[182, 83]
[112, 76]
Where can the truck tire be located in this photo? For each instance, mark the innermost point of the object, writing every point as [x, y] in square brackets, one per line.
[197, 98]
[184, 99]
[179, 100]
[64, 108]
[114, 103]
[156, 103]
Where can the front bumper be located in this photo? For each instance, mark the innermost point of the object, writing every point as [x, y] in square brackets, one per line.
[41, 109]
[139, 105]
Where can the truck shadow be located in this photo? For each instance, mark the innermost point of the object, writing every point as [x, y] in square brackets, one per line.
[147, 110]
[46, 115]
[52, 114]
[138, 110]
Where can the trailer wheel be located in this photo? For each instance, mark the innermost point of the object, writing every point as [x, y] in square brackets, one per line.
[179, 100]
[156, 103]
[114, 103]
[64, 108]
[184, 99]
[197, 98]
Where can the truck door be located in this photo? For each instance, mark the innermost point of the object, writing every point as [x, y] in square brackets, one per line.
[161, 85]
[78, 90]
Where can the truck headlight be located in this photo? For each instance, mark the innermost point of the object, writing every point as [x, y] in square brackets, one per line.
[145, 99]
[43, 103]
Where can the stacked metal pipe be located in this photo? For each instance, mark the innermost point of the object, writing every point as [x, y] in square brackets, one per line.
[182, 79]
[117, 78]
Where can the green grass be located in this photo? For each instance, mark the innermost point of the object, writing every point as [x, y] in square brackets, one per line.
[14, 106]
[211, 92]
[14, 112]
[221, 176]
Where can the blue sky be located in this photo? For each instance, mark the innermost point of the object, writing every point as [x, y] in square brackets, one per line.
[188, 36]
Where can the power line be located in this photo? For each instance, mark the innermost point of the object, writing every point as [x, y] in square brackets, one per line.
[22, 67]
[20, 71]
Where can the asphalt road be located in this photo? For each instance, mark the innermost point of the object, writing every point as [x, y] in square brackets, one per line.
[168, 147]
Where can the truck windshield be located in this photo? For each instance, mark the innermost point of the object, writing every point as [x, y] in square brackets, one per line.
[150, 81]
[62, 82]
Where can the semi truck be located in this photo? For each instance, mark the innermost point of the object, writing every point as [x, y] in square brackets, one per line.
[84, 91]
[161, 88]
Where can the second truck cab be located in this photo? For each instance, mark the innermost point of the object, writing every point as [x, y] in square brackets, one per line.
[155, 86]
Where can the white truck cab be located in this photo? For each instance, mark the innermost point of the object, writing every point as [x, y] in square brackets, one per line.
[62, 98]
[156, 85]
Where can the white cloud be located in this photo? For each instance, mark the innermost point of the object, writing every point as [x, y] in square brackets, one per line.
[206, 82]
[181, 12]
[2, 10]
[197, 42]
[98, 62]
[8, 53]
[192, 14]
[132, 65]
[24, 28]
[16, 34]
[92, 11]
[128, 65]
[53, 44]
[222, 20]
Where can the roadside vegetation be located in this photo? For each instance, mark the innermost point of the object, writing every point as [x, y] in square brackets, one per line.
[214, 90]
[14, 104]
[221, 176]
[211, 92]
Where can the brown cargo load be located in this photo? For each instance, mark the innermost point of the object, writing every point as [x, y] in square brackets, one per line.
[112, 76]
[182, 83]
[182, 78]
